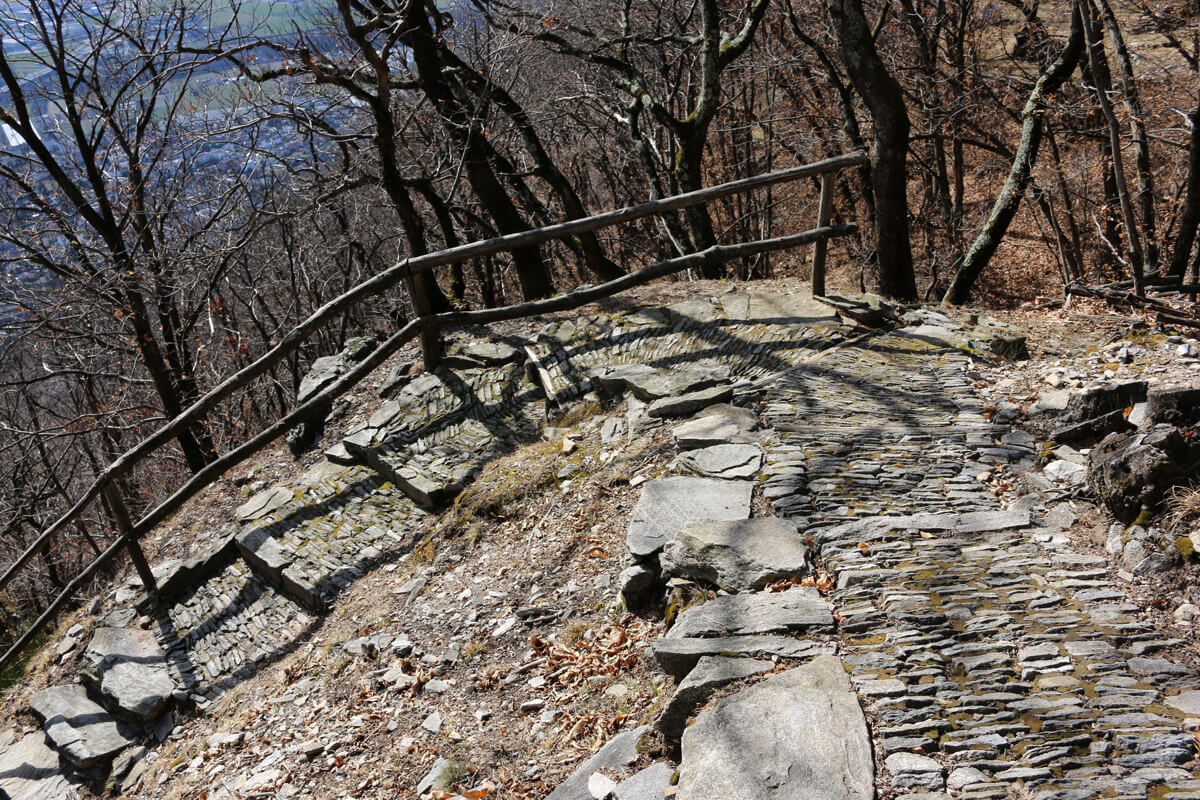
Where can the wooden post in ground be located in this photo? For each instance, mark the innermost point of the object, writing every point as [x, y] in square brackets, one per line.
[824, 212]
[121, 514]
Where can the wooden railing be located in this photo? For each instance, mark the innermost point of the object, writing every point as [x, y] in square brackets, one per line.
[132, 531]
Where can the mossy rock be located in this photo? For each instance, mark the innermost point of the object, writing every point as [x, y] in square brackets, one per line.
[1186, 547]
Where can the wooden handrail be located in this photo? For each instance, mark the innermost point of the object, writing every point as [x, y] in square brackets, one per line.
[386, 280]
[293, 339]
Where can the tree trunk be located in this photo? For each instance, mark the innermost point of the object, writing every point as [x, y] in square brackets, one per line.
[1189, 218]
[889, 152]
[1009, 201]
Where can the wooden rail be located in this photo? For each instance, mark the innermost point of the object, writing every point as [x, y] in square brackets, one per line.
[719, 254]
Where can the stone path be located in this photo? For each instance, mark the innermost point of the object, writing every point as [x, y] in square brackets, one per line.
[969, 634]
[989, 657]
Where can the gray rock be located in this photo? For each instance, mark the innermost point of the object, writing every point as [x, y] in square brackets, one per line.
[730, 461]
[797, 609]
[965, 776]
[912, 771]
[678, 657]
[82, 731]
[472, 355]
[435, 778]
[799, 734]
[713, 429]
[1133, 553]
[1130, 472]
[652, 385]
[1188, 702]
[264, 503]
[684, 404]
[636, 585]
[648, 784]
[1153, 564]
[709, 674]
[971, 522]
[1092, 429]
[30, 769]
[1103, 399]
[1173, 406]
[263, 553]
[738, 555]
[669, 505]
[129, 667]
[617, 756]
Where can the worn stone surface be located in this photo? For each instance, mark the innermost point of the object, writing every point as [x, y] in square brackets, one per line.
[668, 505]
[650, 783]
[797, 734]
[682, 405]
[1103, 399]
[796, 609]
[713, 429]
[129, 667]
[29, 770]
[1129, 472]
[709, 674]
[738, 555]
[730, 461]
[82, 731]
[616, 757]
[678, 656]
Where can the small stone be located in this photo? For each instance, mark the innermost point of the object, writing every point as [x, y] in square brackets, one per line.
[433, 722]
[600, 786]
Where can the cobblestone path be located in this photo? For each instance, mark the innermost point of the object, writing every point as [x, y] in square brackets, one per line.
[973, 639]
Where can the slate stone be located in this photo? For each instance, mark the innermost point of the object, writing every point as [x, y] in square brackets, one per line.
[660, 384]
[684, 404]
[1180, 406]
[264, 503]
[971, 522]
[678, 656]
[1091, 429]
[713, 429]
[263, 553]
[738, 555]
[668, 505]
[797, 609]
[129, 667]
[729, 461]
[615, 757]
[709, 674]
[1188, 702]
[636, 585]
[473, 355]
[31, 769]
[912, 771]
[1103, 399]
[648, 784]
[1129, 472]
[799, 734]
[82, 731]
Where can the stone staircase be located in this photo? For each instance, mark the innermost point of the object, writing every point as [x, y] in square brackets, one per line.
[992, 659]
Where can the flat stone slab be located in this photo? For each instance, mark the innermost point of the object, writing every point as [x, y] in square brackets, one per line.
[649, 384]
[737, 555]
[709, 674]
[82, 731]
[678, 657]
[618, 755]
[800, 608]
[707, 430]
[729, 461]
[263, 552]
[799, 734]
[669, 505]
[972, 522]
[264, 503]
[31, 769]
[1188, 702]
[648, 784]
[129, 667]
[684, 404]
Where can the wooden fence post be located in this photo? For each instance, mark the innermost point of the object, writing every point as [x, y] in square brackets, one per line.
[824, 211]
[121, 514]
